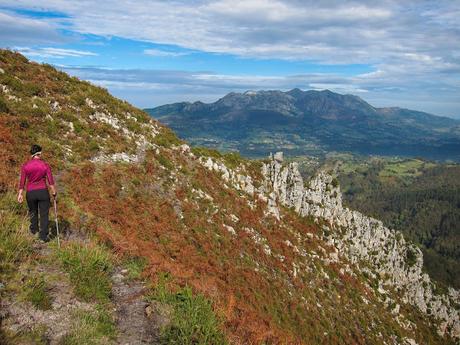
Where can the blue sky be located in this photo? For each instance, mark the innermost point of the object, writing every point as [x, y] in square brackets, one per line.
[390, 53]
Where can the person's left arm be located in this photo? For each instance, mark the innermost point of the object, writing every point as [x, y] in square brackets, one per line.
[50, 178]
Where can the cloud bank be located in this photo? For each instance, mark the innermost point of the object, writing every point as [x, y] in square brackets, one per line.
[413, 46]
[327, 31]
[149, 88]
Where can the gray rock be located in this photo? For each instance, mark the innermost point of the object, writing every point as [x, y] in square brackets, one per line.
[278, 157]
[361, 239]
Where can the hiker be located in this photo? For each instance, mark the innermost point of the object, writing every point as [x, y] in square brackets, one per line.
[37, 172]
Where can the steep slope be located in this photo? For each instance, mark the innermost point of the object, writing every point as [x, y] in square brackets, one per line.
[311, 122]
[382, 253]
[217, 246]
[419, 198]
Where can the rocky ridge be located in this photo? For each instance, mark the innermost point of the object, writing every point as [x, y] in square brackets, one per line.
[394, 262]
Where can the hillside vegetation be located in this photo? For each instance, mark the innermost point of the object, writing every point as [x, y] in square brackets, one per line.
[137, 205]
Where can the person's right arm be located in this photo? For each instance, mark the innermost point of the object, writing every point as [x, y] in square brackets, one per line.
[22, 182]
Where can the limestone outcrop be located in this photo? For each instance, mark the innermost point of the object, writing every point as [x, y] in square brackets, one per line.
[365, 241]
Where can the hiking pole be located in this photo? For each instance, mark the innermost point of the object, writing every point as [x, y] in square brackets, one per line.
[57, 224]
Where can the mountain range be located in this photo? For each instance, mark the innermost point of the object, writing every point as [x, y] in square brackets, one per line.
[310, 122]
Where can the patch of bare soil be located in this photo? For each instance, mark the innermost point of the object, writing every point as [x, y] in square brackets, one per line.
[138, 322]
[21, 317]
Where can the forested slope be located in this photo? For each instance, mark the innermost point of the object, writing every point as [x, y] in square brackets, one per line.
[419, 198]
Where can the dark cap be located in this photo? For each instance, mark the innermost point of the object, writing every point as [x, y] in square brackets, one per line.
[35, 149]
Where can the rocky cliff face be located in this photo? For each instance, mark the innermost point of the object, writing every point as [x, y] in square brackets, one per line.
[379, 252]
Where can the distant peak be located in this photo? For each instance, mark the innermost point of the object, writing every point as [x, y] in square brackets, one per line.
[295, 92]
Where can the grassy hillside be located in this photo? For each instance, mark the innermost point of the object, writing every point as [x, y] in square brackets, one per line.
[219, 268]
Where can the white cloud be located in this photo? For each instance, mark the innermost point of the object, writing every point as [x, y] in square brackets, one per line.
[422, 57]
[16, 29]
[266, 9]
[147, 88]
[123, 85]
[163, 53]
[287, 13]
[346, 31]
[53, 52]
[340, 88]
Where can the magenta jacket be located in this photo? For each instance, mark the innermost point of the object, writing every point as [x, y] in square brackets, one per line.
[36, 172]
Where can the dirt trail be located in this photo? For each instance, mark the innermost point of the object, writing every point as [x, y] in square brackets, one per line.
[134, 325]
[137, 321]
[20, 316]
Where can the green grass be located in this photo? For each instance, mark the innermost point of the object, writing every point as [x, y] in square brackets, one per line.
[15, 244]
[167, 138]
[135, 266]
[193, 320]
[231, 159]
[165, 162]
[3, 106]
[406, 168]
[15, 249]
[206, 152]
[89, 267]
[36, 292]
[35, 336]
[91, 328]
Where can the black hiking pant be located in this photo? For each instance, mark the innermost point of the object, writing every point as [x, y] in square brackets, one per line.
[39, 201]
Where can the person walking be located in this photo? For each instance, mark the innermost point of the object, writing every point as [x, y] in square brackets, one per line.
[38, 175]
